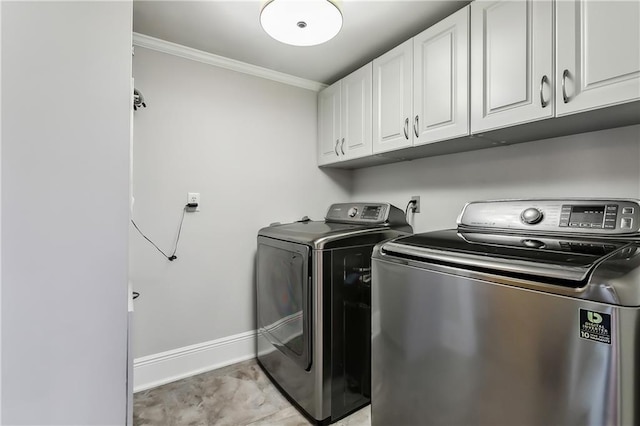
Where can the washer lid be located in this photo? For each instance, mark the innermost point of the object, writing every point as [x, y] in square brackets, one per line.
[567, 259]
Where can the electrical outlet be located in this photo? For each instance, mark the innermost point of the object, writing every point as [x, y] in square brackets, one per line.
[416, 205]
[194, 197]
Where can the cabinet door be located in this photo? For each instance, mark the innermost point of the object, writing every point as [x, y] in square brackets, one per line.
[440, 80]
[597, 54]
[356, 113]
[511, 62]
[392, 102]
[329, 124]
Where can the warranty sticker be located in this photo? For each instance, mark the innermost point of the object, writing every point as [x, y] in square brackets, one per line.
[595, 326]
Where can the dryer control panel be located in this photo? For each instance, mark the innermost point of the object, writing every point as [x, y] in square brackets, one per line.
[366, 213]
[573, 216]
[358, 213]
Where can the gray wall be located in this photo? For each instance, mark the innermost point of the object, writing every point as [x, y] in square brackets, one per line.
[247, 145]
[65, 154]
[597, 164]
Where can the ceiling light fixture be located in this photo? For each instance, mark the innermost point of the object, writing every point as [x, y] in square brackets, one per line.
[301, 22]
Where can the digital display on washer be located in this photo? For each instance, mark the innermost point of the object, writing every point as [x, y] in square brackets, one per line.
[371, 212]
[591, 215]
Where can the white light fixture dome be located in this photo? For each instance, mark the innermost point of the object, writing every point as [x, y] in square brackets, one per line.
[301, 22]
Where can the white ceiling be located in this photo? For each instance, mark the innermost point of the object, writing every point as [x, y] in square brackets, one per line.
[232, 29]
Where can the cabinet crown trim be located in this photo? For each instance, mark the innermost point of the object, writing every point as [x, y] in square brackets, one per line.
[185, 52]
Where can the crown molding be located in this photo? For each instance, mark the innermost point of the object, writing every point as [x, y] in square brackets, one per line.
[185, 52]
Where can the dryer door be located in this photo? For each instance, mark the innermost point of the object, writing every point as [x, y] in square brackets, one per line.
[284, 297]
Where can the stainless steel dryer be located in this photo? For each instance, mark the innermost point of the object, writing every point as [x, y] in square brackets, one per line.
[314, 306]
[528, 313]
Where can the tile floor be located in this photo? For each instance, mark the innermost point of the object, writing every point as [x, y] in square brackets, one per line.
[238, 395]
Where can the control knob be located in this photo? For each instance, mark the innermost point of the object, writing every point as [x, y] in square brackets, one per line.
[531, 216]
[353, 211]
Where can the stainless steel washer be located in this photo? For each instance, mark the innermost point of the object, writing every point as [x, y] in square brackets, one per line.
[528, 313]
[314, 306]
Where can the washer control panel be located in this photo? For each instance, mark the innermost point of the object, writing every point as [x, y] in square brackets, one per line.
[577, 216]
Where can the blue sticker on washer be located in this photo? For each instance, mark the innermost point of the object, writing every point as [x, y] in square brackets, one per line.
[595, 326]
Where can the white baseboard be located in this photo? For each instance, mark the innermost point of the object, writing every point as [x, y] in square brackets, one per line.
[165, 367]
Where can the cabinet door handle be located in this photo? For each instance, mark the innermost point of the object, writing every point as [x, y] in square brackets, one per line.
[542, 82]
[335, 148]
[565, 74]
[342, 146]
[406, 128]
[415, 126]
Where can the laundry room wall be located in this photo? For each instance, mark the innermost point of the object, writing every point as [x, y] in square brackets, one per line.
[247, 145]
[597, 164]
[66, 77]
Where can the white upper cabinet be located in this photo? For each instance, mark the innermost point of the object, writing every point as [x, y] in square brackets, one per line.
[597, 54]
[440, 80]
[329, 124]
[392, 99]
[511, 62]
[344, 118]
[492, 65]
[356, 114]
